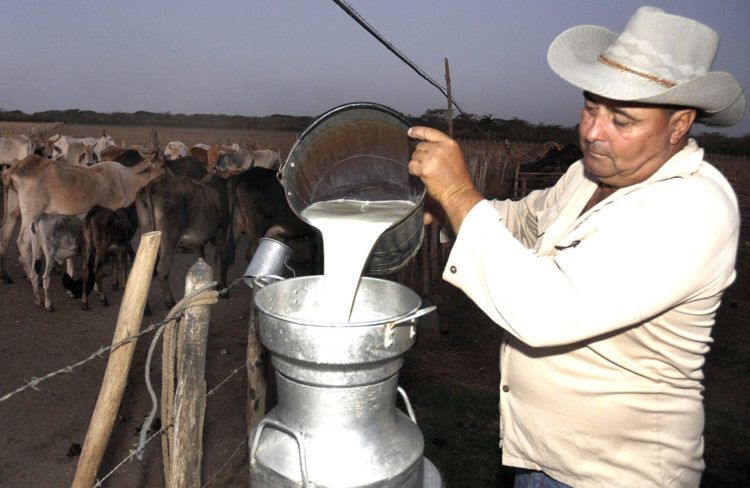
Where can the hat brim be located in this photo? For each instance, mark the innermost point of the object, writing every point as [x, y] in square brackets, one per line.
[573, 55]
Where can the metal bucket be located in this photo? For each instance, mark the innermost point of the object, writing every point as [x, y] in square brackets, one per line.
[336, 423]
[359, 151]
[269, 261]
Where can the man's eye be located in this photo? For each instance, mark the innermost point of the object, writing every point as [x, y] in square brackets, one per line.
[620, 122]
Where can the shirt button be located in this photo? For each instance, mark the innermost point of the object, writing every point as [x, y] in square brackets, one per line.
[506, 388]
[453, 269]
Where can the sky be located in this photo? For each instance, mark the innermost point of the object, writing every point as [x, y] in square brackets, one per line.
[304, 57]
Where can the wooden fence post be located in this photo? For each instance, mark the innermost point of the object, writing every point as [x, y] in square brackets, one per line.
[116, 374]
[190, 396]
[256, 370]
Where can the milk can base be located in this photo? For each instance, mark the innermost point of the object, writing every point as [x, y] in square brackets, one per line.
[431, 476]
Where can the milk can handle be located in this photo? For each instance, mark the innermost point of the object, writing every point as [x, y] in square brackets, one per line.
[388, 335]
[410, 410]
[413, 317]
[266, 422]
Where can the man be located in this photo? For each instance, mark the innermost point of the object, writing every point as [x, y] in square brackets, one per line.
[607, 283]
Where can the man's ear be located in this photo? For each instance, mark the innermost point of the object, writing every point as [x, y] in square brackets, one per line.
[680, 123]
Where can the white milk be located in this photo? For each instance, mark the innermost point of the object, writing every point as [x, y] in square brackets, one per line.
[350, 229]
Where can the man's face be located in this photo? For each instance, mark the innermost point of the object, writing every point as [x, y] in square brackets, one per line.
[623, 143]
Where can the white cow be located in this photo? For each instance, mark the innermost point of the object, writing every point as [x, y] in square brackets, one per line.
[233, 162]
[57, 146]
[175, 150]
[11, 149]
[80, 154]
[14, 147]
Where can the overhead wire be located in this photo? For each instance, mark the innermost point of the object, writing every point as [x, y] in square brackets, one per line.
[366, 25]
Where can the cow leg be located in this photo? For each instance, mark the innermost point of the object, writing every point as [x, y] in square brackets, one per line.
[121, 258]
[47, 275]
[166, 250]
[71, 270]
[85, 276]
[98, 271]
[33, 270]
[6, 232]
[221, 263]
[25, 251]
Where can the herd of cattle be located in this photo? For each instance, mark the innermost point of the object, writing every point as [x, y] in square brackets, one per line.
[88, 197]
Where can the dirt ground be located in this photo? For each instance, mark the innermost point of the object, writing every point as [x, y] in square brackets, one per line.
[451, 378]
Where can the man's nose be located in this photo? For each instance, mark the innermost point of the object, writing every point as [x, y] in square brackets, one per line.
[593, 129]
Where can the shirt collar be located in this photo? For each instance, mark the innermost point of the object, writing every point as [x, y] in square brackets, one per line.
[686, 162]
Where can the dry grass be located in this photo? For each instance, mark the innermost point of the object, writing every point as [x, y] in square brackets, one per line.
[128, 136]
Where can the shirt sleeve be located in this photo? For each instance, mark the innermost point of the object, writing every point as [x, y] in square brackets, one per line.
[631, 263]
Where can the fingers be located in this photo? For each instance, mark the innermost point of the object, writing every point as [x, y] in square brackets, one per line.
[427, 134]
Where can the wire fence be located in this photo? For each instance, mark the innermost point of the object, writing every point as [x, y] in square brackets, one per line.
[206, 295]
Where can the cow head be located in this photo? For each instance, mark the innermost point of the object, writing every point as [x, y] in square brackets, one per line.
[103, 143]
[88, 157]
[51, 150]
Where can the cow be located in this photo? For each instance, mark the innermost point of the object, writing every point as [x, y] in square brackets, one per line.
[175, 150]
[57, 238]
[14, 148]
[45, 186]
[262, 210]
[106, 232]
[125, 156]
[58, 146]
[190, 214]
[79, 154]
[205, 153]
[187, 166]
[233, 162]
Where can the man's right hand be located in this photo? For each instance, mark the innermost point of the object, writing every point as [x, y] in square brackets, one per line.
[438, 162]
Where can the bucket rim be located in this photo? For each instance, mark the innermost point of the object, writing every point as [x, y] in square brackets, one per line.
[329, 325]
[321, 119]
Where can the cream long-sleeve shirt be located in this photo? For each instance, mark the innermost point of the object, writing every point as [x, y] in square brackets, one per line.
[609, 316]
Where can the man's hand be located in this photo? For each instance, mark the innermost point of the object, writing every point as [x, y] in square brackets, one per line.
[438, 162]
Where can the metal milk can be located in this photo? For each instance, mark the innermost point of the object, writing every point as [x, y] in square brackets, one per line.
[336, 423]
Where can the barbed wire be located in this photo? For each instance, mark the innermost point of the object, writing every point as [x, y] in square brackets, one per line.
[200, 297]
[133, 452]
[35, 381]
[232, 373]
[226, 463]
[141, 446]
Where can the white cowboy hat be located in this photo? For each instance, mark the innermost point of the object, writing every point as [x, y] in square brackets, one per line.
[659, 58]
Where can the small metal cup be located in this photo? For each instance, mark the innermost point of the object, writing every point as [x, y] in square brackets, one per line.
[269, 263]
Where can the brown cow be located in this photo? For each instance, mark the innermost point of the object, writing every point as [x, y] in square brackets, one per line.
[189, 214]
[106, 232]
[44, 186]
[262, 210]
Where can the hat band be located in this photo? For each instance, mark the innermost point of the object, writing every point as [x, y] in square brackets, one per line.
[655, 79]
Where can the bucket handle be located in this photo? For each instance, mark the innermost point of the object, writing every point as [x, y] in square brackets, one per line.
[412, 319]
[266, 422]
[409, 409]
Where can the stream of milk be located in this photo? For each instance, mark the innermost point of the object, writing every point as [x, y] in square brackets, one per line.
[350, 229]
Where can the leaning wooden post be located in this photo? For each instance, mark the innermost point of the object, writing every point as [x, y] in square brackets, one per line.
[190, 396]
[450, 98]
[116, 374]
[256, 370]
